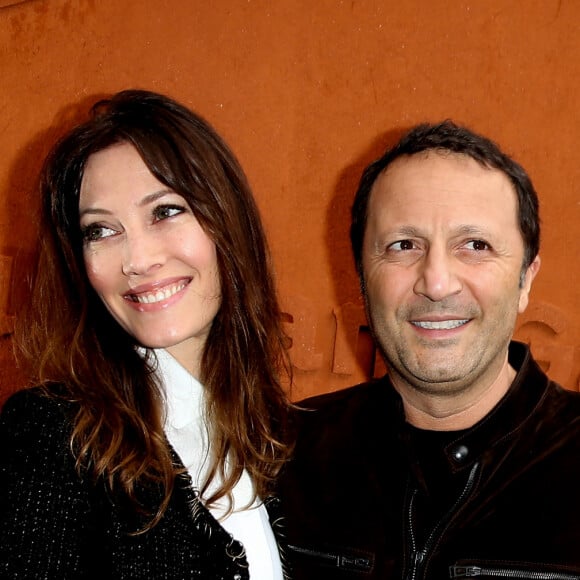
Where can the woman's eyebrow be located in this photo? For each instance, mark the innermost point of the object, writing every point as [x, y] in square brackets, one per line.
[149, 198]
[94, 211]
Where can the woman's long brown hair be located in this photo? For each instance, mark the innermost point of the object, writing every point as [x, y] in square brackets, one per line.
[69, 337]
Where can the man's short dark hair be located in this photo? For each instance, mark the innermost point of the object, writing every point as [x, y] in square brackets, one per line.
[452, 138]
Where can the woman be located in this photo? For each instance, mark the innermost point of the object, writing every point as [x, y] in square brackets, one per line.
[153, 280]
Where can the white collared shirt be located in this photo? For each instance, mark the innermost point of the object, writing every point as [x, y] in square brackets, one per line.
[185, 427]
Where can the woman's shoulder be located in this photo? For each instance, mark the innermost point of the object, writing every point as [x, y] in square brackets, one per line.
[39, 411]
[42, 397]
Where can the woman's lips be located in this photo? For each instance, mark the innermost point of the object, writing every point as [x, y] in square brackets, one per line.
[156, 292]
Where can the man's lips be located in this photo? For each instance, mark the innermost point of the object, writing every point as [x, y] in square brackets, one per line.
[152, 293]
[448, 324]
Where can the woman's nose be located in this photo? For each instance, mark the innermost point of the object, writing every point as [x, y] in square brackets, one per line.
[142, 253]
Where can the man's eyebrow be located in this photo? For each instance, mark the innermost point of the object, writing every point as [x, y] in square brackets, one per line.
[407, 231]
[471, 230]
[411, 231]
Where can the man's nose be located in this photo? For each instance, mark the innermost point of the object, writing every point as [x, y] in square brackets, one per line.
[438, 275]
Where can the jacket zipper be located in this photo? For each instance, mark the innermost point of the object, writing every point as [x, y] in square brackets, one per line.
[417, 556]
[357, 563]
[499, 572]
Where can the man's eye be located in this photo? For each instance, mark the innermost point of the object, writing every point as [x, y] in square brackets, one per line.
[163, 212]
[96, 232]
[402, 245]
[477, 245]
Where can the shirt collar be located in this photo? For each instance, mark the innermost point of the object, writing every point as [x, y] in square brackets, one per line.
[183, 392]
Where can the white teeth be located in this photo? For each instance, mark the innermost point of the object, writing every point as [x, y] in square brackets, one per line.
[440, 324]
[160, 295]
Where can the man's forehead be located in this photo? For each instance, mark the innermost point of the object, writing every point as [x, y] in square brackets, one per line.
[436, 170]
[441, 156]
[452, 190]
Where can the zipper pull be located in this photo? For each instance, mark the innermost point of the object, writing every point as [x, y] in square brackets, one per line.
[417, 557]
[464, 571]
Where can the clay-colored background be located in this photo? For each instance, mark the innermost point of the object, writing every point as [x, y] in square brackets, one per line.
[307, 93]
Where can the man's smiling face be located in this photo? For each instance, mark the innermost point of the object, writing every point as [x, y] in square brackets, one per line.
[442, 269]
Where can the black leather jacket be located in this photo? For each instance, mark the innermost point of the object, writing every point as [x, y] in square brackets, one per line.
[367, 496]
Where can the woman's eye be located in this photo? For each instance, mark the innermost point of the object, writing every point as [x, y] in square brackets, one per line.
[96, 232]
[477, 245]
[163, 212]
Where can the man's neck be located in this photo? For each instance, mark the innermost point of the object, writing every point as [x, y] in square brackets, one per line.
[454, 412]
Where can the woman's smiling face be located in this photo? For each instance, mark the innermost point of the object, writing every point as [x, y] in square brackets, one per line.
[147, 256]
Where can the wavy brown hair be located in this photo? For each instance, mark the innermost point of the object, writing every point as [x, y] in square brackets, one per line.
[70, 338]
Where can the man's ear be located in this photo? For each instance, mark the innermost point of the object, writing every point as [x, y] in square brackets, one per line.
[526, 283]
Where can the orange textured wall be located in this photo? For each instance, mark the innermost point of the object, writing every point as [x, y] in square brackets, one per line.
[307, 93]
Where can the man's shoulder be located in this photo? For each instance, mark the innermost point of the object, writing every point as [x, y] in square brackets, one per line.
[346, 415]
[531, 378]
[571, 397]
[362, 394]
[563, 403]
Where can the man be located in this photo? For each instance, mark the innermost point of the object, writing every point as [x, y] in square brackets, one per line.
[465, 459]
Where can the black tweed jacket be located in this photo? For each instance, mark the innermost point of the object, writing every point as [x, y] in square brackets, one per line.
[56, 525]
